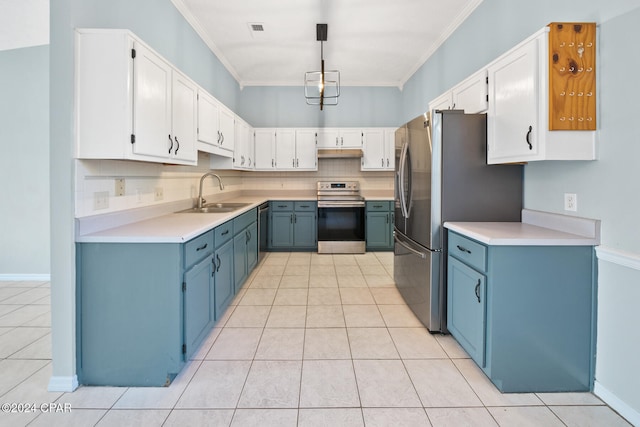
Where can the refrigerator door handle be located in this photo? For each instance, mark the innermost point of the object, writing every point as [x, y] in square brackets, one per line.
[401, 174]
[409, 248]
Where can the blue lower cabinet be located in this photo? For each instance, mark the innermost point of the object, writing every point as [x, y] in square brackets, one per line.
[199, 304]
[144, 308]
[525, 314]
[379, 225]
[293, 226]
[224, 287]
[245, 243]
[129, 313]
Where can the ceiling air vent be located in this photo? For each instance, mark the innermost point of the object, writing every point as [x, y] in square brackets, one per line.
[256, 29]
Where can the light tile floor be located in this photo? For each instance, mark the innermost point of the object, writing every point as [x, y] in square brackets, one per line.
[311, 340]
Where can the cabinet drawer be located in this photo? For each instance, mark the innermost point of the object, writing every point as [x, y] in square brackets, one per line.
[223, 233]
[304, 206]
[241, 222]
[381, 206]
[196, 249]
[468, 251]
[281, 206]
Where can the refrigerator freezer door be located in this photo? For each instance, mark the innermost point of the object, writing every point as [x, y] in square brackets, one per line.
[400, 144]
[417, 276]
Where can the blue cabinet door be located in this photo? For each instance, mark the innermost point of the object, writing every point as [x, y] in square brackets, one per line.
[252, 247]
[240, 258]
[304, 230]
[281, 229]
[466, 307]
[224, 284]
[378, 226]
[198, 304]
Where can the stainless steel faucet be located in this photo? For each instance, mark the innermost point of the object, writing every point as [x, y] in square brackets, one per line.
[202, 201]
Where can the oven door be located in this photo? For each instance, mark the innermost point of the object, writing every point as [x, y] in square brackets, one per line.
[341, 227]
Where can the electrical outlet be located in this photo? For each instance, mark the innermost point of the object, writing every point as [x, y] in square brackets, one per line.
[158, 194]
[100, 200]
[119, 187]
[570, 202]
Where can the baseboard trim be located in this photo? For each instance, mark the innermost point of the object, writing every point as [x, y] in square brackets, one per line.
[629, 413]
[625, 259]
[25, 277]
[65, 384]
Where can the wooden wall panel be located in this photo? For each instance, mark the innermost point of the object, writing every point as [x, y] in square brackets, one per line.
[572, 76]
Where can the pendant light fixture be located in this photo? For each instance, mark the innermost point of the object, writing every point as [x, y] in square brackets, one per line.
[322, 87]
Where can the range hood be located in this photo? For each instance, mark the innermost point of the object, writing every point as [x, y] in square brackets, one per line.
[337, 153]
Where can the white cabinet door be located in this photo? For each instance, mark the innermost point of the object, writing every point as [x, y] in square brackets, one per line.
[243, 152]
[471, 94]
[152, 81]
[512, 125]
[285, 148]
[265, 149]
[350, 138]
[184, 93]
[374, 150]
[226, 125]
[207, 119]
[306, 152]
[328, 138]
[390, 138]
[442, 102]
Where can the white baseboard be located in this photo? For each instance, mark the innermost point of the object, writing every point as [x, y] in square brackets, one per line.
[66, 384]
[25, 277]
[629, 413]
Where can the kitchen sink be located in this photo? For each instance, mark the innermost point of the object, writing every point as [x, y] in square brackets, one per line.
[216, 208]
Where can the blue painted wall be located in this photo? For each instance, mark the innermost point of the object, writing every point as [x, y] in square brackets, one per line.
[24, 163]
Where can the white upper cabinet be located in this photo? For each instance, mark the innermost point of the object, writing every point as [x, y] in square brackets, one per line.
[285, 149]
[471, 95]
[210, 138]
[243, 146]
[442, 102]
[130, 102]
[226, 126]
[339, 138]
[518, 114]
[265, 148]
[512, 128]
[183, 118]
[378, 149]
[306, 152]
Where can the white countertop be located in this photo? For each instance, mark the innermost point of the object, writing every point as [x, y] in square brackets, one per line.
[173, 227]
[169, 228]
[537, 229]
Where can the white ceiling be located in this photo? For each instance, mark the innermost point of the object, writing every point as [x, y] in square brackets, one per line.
[371, 42]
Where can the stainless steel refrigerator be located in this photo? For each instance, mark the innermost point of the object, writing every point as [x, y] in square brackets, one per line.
[441, 174]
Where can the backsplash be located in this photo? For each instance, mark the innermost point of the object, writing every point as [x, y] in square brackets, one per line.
[148, 184]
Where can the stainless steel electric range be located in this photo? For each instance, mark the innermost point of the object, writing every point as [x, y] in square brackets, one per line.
[341, 218]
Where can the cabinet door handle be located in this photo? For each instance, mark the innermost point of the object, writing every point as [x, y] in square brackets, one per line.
[463, 249]
[177, 145]
[528, 138]
[219, 262]
[219, 137]
[222, 140]
[170, 142]
[477, 290]
[224, 233]
[382, 164]
[387, 162]
[213, 270]
[295, 218]
[387, 218]
[202, 247]
[291, 218]
[336, 141]
[377, 206]
[282, 206]
[341, 140]
[304, 206]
